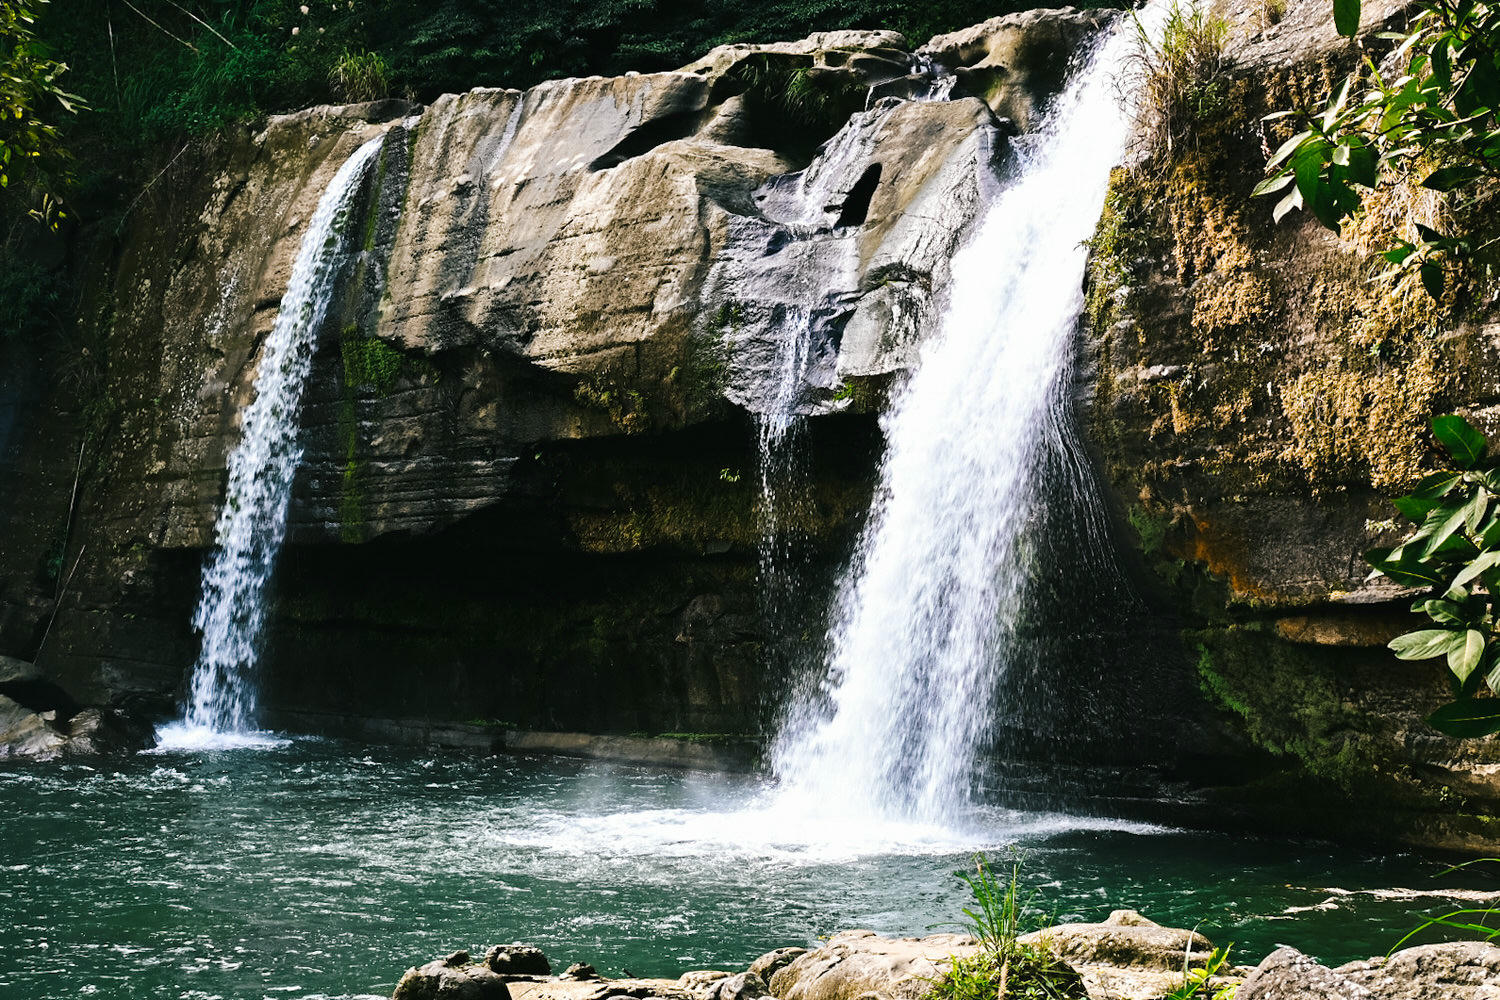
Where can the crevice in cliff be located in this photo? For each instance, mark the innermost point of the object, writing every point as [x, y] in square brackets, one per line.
[650, 135]
[856, 207]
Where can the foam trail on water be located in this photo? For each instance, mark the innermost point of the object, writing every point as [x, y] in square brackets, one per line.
[924, 621]
[220, 710]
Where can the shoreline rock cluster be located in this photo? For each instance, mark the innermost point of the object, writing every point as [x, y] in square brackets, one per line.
[1125, 957]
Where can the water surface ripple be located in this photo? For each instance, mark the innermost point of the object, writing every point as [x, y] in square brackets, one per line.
[319, 870]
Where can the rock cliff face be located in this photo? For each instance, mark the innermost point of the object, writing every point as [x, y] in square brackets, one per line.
[526, 492]
[528, 489]
[1260, 393]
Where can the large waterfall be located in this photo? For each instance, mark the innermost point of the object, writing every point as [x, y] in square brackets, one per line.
[925, 622]
[252, 524]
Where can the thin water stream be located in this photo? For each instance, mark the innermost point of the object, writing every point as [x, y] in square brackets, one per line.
[221, 698]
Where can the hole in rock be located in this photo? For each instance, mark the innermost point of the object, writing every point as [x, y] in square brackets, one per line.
[857, 206]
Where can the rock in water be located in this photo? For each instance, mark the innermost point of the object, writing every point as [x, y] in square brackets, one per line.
[858, 962]
[580, 970]
[517, 960]
[451, 979]
[1458, 970]
[1125, 939]
[773, 962]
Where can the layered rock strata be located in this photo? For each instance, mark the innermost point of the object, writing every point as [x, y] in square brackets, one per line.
[526, 492]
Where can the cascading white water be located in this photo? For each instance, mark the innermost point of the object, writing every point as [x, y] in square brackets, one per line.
[809, 204]
[940, 80]
[926, 614]
[252, 524]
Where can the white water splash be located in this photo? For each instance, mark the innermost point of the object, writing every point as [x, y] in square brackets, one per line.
[220, 709]
[926, 616]
[940, 79]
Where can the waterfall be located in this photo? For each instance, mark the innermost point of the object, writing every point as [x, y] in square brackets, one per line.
[924, 624]
[809, 205]
[252, 524]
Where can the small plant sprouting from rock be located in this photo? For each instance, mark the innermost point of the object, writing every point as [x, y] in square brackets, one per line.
[1455, 555]
[1183, 78]
[1195, 982]
[1004, 968]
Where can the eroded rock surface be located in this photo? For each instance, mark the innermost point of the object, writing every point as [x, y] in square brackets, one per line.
[560, 305]
[1462, 970]
[454, 977]
[1260, 393]
[859, 962]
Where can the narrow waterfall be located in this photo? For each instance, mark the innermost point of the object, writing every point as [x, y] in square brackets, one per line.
[924, 624]
[252, 524]
[809, 204]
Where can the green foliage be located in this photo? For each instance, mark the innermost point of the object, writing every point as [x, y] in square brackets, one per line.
[370, 362]
[29, 297]
[1437, 118]
[360, 76]
[1182, 75]
[1004, 968]
[1195, 981]
[32, 153]
[1455, 554]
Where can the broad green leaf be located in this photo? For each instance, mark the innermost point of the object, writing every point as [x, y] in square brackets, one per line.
[1412, 574]
[1271, 185]
[1478, 507]
[1468, 718]
[1436, 485]
[1463, 659]
[1346, 17]
[1426, 643]
[1486, 561]
[1488, 535]
[1440, 525]
[1441, 610]
[1414, 508]
[1289, 147]
[1433, 279]
[1448, 178]
[1459, 439]
[1292, 200]
[1363, 163]
[1398, 253]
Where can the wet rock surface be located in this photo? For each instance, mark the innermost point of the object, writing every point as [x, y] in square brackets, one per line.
[530, 393]
[1461, 970]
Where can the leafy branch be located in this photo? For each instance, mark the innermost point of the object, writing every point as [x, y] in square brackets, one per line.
[1439, 117]
[1454, 554]
[31, 147]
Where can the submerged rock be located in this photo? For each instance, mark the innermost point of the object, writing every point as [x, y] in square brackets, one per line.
[1458, 970]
